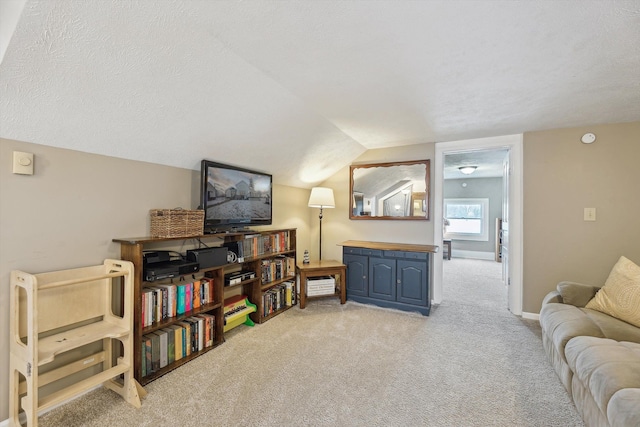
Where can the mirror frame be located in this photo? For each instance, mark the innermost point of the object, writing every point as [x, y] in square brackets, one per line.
[427, 193]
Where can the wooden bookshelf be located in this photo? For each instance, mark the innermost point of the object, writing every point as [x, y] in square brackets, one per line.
[132, 250]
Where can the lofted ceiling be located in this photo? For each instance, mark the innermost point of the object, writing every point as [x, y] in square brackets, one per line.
[300, 89]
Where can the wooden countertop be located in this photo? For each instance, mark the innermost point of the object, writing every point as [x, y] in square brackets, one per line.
[410, 247]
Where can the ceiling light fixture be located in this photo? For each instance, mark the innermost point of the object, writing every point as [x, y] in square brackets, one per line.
[467, 170]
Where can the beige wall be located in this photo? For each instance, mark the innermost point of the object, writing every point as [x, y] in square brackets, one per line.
[66, 214]
[562, 176]
[336, 225]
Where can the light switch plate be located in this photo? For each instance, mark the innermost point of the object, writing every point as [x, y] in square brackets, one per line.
[589, 214]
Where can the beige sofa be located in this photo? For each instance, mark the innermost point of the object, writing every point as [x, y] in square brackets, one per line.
[596, 356]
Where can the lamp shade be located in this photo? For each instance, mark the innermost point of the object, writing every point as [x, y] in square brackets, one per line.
[321, 197]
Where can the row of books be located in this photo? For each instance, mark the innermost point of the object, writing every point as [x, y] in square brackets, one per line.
[277, 268]
[279, 297]
[274, 243]
[254, 245]
[164, 301]
[165, 346]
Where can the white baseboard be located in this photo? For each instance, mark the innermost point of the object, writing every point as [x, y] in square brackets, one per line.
[531, 316]
[458, 253]
[5, 423]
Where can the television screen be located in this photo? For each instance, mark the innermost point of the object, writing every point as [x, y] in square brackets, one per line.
[233, 197]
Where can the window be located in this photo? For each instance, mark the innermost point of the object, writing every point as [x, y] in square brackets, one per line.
[467, 219]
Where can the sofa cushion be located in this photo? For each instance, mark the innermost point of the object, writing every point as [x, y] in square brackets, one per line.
[622, 410]
[620, 295]
[604, 367]
[611, 327]
[562, 322]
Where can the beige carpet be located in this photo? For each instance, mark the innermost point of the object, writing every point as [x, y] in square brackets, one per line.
[471, 363]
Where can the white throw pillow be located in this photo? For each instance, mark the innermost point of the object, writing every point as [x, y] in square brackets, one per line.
[620, 295]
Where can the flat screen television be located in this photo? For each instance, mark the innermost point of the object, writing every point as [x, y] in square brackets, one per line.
[233, 197]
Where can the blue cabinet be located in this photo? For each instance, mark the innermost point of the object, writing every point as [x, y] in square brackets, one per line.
[357, 273]
[382, 278]
[389, 278]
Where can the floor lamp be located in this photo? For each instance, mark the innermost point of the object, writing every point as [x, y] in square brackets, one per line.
[321, 197]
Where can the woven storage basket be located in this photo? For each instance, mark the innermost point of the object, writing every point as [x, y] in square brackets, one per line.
[176, 222]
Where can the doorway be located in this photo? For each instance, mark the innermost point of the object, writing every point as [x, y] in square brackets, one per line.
[473, 196]
[513, 210]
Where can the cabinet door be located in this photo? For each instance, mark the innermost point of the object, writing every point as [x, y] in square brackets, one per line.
[356, 274]
[382, 278]
[412, 282]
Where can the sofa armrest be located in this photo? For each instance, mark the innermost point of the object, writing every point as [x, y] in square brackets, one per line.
[577, 294]
[551, 297]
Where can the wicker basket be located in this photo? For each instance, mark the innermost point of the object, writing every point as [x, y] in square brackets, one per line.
[176, 222]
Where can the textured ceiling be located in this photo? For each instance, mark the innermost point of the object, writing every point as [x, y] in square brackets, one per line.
[301, 88]
[489, 163]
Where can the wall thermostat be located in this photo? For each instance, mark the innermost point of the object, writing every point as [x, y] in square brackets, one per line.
[588, 138]
[22, 163]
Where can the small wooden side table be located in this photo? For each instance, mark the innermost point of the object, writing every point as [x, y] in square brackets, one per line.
[319, 269]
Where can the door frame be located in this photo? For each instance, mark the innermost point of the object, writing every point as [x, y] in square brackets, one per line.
[514, 144]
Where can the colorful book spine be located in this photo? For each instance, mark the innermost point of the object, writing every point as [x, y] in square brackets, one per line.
[177, 332]
[182, 297]
[188, 297]
[171, 348]
[197, 297]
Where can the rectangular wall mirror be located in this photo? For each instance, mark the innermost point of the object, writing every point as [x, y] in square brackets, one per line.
[396, 190]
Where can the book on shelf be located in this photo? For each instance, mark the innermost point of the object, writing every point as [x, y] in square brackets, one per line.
[198, 338]
[171, 348]
[162, 345]
[278, 297]
[188, 297]
[192, 339]
[177, 341]
[145, 359]
[209, 328]
[289, 286]
[208, 296]
[197, 301]
[195, 334]
[170, 309]
[186, 338]
[155, 351]
[182, 296]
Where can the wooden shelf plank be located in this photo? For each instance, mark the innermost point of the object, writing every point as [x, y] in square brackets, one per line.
[56, 344]
[66, 393]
